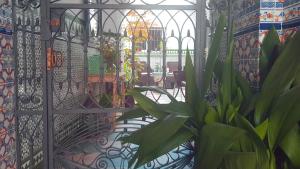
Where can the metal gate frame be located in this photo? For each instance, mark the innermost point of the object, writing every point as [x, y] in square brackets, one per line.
[45, 11]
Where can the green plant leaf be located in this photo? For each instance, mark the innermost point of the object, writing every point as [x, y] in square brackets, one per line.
[213, 54]
[178, 108]
[212, 116]
[227, 76]
[297, 79]
[291, 146]
[263, 65]
[137, 136]
[135, 113]
[147, 104]
[233, 108]
[153, 137]
[158, 90]
[215, 140]
[262, 129]
[269, 53]
[284, 116]
[270, 42]
[260, 148]
[231, 113]
[237, 100]
[248, 105]
[240, 160]
[286, 65]
[226, 84]
[192, 91]
[244, 85]
[218, 70]
[182, 136]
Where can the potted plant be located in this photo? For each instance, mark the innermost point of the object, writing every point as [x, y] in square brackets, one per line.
[128, 69]
[244, 129]
[109, 52]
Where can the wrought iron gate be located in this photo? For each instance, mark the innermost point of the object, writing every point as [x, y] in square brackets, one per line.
[60, 123]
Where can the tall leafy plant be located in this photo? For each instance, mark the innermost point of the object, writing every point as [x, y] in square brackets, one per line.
[269, 116]
[244, 129]
[278, 100]
[179, 122]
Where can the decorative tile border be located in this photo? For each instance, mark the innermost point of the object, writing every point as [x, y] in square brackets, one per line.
[292, 12]
[246, 21]
[290, 2]
[271, 15]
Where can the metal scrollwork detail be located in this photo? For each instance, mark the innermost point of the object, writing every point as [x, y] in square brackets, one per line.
[25, 4]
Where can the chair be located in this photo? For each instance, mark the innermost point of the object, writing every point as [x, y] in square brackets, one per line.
[146, 80]
[170, 81]
[179, 77]
[173, 66]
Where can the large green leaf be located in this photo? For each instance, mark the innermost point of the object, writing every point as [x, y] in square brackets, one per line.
[192, 93]
[147, 104]
[213, 54]
[248, 105]
[283, 73]
[218, 70]
[262, 129]
[260, 148]
[263, 66]
[235, 105]
[135, 113]
[215, 140]
[297, 79]
[178, 108]
[138, 136]
[212, 116]
[269, 53]
[158, 90]
[284, 116]
[291, 146]
[181, 137]
[240, 160]
[226, 83]
[153, 136]
[270, 42]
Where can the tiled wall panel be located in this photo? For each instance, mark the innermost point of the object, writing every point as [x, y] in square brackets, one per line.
[253, 22]
[246, 60]
[7, 118]
[246, 24]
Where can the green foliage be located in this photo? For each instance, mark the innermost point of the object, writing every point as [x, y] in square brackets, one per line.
[215, 140]
[213, 54]
[238, 160]
[290, 145]
[244, 129]
[283, 73]
[284, 116]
